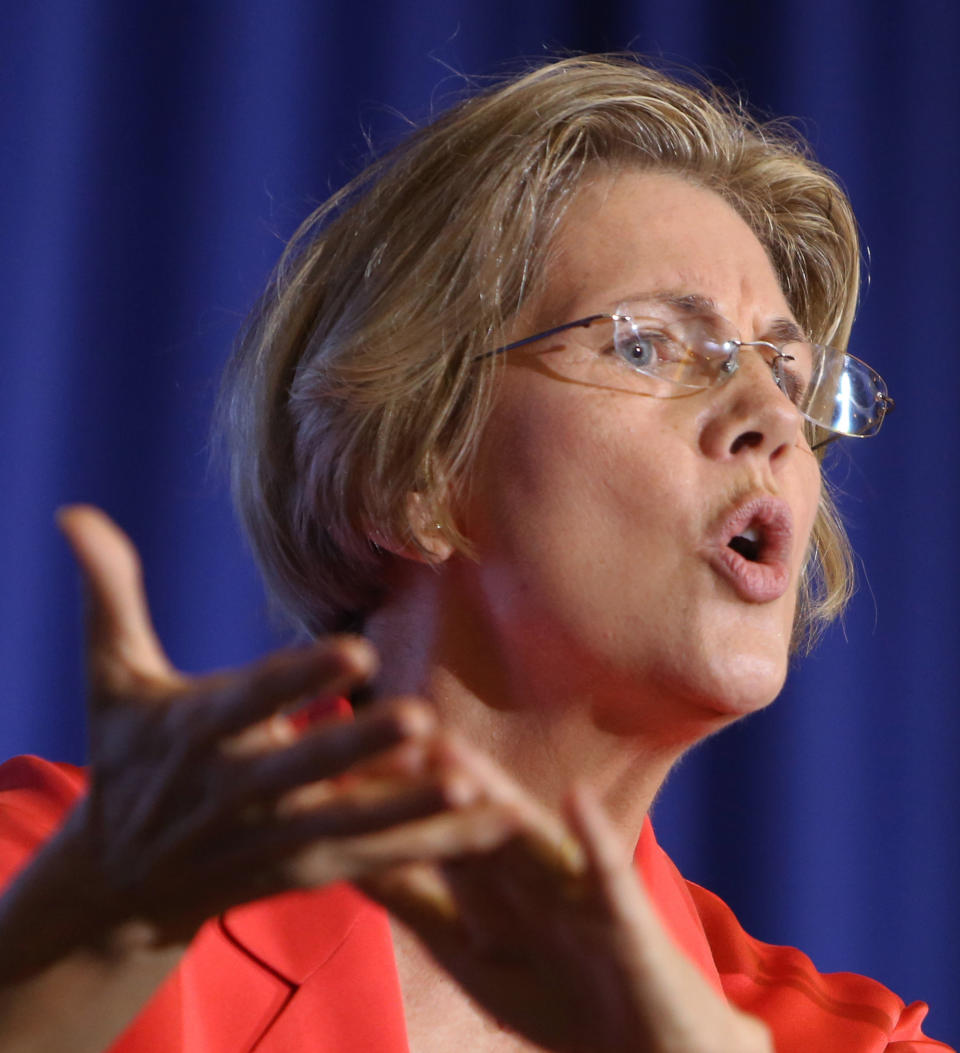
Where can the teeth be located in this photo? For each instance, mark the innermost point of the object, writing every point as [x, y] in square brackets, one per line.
[748, 543]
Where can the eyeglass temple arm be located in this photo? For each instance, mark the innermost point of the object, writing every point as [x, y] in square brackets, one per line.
[579, 323]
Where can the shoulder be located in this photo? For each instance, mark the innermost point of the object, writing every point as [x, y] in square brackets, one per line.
[35, 795]
[804, 1008]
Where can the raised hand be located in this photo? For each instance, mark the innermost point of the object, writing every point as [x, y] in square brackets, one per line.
[202, 792]
[205, 794]
[563, 948]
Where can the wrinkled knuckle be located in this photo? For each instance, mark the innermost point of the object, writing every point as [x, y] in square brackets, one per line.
[456, 790]
[412, 716]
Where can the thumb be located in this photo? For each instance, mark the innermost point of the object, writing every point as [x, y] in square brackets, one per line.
[121, 641]
[610, 862]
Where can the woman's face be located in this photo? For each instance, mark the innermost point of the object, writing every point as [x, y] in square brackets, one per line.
[603, 502]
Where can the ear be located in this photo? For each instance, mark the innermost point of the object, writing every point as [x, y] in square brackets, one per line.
[429, 543]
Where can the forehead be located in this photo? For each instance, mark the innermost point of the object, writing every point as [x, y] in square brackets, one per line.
[633, 234]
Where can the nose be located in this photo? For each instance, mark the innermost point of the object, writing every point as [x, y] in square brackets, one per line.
[750, 416]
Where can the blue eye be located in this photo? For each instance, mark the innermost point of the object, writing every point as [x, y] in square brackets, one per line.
[637, 348]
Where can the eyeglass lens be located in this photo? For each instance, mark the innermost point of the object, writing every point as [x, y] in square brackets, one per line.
[830, 388]
[844, 394]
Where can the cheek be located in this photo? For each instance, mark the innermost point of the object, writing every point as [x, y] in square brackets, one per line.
[530, 446]
[580, 507]
[568, 456]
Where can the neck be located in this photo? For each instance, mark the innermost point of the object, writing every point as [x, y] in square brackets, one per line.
[548, 748]
[541, 720]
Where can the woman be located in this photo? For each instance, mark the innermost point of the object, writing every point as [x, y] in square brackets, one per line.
[533, 405]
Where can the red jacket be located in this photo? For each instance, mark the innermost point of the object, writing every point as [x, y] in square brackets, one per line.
[314, 971]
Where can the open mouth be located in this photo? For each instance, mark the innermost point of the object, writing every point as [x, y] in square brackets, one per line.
[751, 548]
[748, 544]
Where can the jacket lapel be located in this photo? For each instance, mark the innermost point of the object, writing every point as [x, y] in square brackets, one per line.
[334, 951]
[303, 972]
[218, 998]
[668, 890]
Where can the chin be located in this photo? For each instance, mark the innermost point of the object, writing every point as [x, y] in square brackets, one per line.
[745, 683]
[742, 662]
[740, 701]
[688, 701]
[726, 684]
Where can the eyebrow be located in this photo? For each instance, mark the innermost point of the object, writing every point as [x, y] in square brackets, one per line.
[786, 331]
[782, 330]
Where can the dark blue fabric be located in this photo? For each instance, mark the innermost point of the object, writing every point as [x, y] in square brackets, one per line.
[154, 154]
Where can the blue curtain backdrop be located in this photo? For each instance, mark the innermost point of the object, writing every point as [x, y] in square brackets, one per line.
[155, 154]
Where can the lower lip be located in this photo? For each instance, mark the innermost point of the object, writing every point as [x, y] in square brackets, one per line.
[753, 582]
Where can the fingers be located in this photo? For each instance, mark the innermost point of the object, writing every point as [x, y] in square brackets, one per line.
[544, 835]
[362, 808]
[669, 997]
[526, 886]
[448, 834]
[417, 894]
[215, 795]
[328, 667]
[606, 853]
[332, 748]
[301, 854]
[122, 642]
[125, 656]
[610, 866]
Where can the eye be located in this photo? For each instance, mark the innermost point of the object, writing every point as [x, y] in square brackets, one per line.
[636, 350]
[646, 348]
[791, 376]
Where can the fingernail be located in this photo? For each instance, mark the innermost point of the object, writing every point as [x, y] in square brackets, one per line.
[414, 719]
[358, 653]
[458, 792]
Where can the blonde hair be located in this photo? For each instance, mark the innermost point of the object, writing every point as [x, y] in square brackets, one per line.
[356, 380]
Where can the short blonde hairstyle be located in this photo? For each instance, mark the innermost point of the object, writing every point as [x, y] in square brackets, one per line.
[356, 380]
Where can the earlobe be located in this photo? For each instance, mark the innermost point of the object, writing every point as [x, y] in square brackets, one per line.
[428, 541]
[427, 531]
